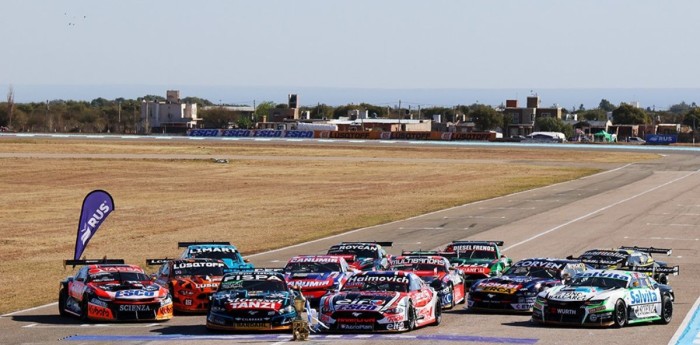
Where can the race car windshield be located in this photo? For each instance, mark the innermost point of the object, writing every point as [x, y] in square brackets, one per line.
[199, 271]
[359, 253]
[105, 277]
[218, 255]
[537, 272]
[478, 254]
[254, 285]
[312, 267]
[420, 267]
[600, 282]
[375, 286]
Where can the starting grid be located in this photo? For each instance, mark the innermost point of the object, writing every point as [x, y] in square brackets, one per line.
[317, 337]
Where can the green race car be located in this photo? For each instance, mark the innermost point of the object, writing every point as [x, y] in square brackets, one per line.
[477, 259]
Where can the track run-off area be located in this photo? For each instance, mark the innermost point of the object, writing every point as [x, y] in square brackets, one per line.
[651, 203]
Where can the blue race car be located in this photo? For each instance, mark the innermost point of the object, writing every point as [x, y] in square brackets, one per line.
[223, 251]
[517, 288]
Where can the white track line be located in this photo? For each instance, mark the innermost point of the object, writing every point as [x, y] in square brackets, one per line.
[600, 210]
[30, 309]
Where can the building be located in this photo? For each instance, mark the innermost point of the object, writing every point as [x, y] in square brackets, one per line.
[521, 121]
[171, 116]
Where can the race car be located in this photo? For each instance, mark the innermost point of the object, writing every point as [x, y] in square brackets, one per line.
[109, 290]
[314, 275]
[605, 298]
[223, 251]
[636, 259]
[517, 288]
[191, 282]
[437, 272]
[252, 300]
[477, 259]
[364, 256]
[381, 301]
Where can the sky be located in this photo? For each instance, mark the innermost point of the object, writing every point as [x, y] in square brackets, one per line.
[231, 51]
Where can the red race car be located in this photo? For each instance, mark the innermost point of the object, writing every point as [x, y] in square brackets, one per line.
[314, 275]
[437, 272]
[191, 281]
[381, 301]
[109, 290]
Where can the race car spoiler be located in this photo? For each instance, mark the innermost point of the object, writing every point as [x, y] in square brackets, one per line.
[383, 244]
[154, 262]
[498, 243]
[93, 262]
[595, 262]
[187, 244]
[650, 250]
[349, 258]
[673, 270]
[269, 269]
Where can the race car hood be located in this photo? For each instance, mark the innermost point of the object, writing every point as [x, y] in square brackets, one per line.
[363, 300]
[507, 284]
[268, 302]
[129, 290]
[311, 281]
[234, 265]
[577, 293]
[197, 282]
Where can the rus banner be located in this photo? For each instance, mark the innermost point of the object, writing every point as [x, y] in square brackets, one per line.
[96, 206]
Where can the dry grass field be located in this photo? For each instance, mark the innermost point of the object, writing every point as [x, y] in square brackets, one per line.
[267, 196]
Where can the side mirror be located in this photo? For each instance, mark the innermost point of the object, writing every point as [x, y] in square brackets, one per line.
[436, 284]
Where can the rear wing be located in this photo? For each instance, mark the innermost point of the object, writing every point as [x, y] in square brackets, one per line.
[269, 269]
[155, 262]
[420, 252]
[82, 262]
[383, 244]
[187, 244]
[650, 250]
[349, 258]
[596, 262]
[672, 270]
[498, 243]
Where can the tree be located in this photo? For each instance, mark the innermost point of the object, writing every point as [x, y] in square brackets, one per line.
[680, 108]
[553, 124]
[593, 115]
[486, 118]
[626, 114]
[605, 105]
[263, 109]
[692, 118]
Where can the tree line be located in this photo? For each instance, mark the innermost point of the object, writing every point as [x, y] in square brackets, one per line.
[123, 115]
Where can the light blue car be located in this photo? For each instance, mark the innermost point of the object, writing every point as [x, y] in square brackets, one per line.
[223, 251]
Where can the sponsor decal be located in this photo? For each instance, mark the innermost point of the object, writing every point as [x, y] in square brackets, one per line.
[247, 303]
[643, 296]
[604, 253]
[296, 284]
[236, 133]
[299, 134]
[368, 247]
[197, 264]
[252, 325]
[206, 286]
[200, 250]
[394, 318]
[237, 277]
[604, 274]
[351, 320]
[349, 135]
[561, 311]
[465, 248]
[134, 294]
[596, 309]
[410, 135]
[644, 310]
[356, 327]
[572, 295]
[97, 205]
[99, 312]
[408, 261]
[538, 263]
[473, 269]
[361, 307]
[98, 302]
[495, 287]
[204, 132]
[315, 259]
[134, 307]
[471, 136]
[268, 134]
[379, 279]
[395, 326]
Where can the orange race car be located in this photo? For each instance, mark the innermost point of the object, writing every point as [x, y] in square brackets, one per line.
[109, 290]
[191, 281]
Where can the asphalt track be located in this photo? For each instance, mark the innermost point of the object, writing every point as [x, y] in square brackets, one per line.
[654, 203]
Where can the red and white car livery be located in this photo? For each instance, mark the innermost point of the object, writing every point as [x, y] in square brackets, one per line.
[381, 301]
[113, 292]
[364, 256]
[437, 272]
[315, 275]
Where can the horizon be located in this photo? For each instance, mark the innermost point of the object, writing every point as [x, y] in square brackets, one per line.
[567, 98]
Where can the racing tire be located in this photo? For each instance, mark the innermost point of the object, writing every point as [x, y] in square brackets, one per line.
[84, 308]
[438, 313]
[620, 314]
[412, 317]
[666, 310]
[663, 279]
[62, 301]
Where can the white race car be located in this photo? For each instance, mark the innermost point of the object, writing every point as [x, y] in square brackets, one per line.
[605, 298]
